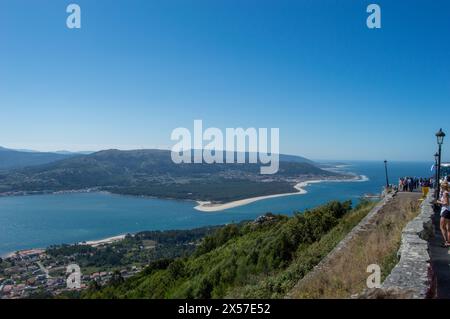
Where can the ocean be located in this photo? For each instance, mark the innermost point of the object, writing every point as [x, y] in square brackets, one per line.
[43, 220]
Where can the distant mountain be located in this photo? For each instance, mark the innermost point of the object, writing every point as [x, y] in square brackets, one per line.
[73, 153]
[152, 173]
[24, 150]
[295, 159]
[282, 157]
[13, 159]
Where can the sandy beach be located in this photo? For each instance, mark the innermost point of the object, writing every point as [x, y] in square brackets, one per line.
[109, 240]
[208, 207]
[93, 243]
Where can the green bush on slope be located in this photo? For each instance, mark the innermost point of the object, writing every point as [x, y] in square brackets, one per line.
[254, 259]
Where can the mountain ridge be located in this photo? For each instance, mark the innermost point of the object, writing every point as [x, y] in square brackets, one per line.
[152, 173]
[14, 159]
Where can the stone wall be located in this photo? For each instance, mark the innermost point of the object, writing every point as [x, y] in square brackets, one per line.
[413, 275]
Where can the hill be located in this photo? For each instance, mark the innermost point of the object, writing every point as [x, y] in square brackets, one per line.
[260, 259]
[152, 173]
[12, 159]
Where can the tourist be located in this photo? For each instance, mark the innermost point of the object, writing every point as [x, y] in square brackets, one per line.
[410, 184]
[400, 184]
[425, 185]
[445, 214]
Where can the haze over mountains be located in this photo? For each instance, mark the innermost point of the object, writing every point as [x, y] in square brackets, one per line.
[11, 159]
[19, 158]
[152, 173]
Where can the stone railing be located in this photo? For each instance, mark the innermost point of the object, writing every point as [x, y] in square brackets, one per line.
[413, 276]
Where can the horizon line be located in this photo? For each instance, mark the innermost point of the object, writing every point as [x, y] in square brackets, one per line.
[314, 159]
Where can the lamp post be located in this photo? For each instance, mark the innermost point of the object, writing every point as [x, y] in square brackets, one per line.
[436, 158]
[440, 140]
[386, 172]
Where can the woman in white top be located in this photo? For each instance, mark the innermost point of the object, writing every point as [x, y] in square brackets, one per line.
[445, 214]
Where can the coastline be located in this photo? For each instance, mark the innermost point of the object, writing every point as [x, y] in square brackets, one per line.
[108, 240]
[93, 243]
[203, 207]
[208, 207]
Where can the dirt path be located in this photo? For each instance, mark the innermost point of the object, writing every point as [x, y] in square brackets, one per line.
[376, 241]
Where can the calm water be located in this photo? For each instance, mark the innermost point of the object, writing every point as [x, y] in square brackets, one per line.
[40, 221]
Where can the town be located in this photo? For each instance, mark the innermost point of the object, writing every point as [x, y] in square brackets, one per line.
[42, 273]
[34, 273]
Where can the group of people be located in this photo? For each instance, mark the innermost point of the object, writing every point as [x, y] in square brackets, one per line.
[410, 184]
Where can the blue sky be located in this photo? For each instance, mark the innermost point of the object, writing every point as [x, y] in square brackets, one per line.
[138, 69]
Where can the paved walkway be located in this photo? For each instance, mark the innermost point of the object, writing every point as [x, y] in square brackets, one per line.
[440, 262]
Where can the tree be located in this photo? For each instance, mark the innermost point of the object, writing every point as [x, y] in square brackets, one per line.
[176, 269]
[204, 289]
[116, 279]
[94, 286]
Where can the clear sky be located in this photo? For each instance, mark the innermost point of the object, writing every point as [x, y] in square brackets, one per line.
[138, 69]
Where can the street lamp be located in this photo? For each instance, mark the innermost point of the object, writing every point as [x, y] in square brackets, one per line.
[440, 140]
[386, 172]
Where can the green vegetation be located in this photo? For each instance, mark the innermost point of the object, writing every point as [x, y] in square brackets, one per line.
[264, 258]
[152, 173]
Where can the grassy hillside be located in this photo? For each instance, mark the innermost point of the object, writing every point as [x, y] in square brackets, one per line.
[152, 173]
[264, 258]
[345, 273]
